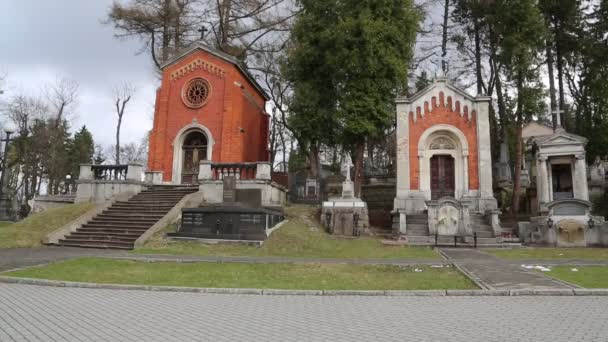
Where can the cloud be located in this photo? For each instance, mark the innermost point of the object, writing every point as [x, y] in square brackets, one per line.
[42, 40]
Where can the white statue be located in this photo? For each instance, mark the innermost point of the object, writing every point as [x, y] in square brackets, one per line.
[597, 170]
[346, 165]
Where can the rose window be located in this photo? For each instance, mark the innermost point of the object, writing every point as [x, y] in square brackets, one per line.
[196, 92]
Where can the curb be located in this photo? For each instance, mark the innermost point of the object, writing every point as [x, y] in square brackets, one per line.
[279, 292]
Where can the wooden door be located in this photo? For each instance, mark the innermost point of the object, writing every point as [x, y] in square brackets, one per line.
[443, 176]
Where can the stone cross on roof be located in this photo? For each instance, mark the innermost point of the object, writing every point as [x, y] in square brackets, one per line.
[203, 30]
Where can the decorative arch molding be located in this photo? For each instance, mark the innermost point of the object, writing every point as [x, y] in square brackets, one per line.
[436, 131]
[459, 150]
[178, 142]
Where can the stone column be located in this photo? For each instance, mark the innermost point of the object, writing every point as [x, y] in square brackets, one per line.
[580, 188]
[484, 147]
[542, 180]
[402, 150]
[465, 174]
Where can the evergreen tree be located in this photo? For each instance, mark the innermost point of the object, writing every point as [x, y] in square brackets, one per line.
[82, 151]
[349, 60]
[521, 31]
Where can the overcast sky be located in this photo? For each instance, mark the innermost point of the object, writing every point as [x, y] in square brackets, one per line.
[41, 40]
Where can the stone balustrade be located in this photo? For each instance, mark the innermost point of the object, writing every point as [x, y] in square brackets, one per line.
[100, 183]
[241, 171]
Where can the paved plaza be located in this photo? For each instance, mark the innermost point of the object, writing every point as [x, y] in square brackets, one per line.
[33, 313]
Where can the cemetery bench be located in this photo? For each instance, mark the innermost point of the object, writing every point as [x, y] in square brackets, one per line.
[456, 236]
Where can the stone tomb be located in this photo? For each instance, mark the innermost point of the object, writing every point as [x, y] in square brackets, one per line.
[346, 215]
[239, 217]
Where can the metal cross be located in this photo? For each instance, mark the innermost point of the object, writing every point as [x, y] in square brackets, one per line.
[202, 30]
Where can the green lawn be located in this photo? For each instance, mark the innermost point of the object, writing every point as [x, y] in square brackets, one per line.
[294, 239]
[551, 253]
[241, 275]
[30, 231]
[585, 276]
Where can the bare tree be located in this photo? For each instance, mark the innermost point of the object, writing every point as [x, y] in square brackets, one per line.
[237, 27]
[62, 98]
[123, 93]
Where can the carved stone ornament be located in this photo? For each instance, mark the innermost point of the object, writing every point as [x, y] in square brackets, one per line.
[442, 143]
[196, 93]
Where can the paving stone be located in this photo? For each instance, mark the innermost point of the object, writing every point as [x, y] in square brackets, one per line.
[35, 313]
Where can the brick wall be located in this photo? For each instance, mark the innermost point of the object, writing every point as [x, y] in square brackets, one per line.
[443, 112]
[234, 113]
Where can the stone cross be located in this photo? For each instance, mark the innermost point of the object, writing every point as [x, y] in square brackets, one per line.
[558, 119]
[202, 30]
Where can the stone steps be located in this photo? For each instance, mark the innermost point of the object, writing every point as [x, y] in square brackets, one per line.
[119, 226]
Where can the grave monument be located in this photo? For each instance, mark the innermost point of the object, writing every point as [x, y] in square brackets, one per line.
[346, 215]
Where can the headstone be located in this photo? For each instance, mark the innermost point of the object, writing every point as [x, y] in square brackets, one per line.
[503, 169]
[229, 189]
[597, 171]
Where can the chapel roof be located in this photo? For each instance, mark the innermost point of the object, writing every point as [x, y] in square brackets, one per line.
[224, 56]
[438, 83]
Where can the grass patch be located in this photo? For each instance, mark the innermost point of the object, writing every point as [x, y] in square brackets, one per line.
[30, 231]
[586, 276]
[293, 239]
[240, 275]
[551, 253]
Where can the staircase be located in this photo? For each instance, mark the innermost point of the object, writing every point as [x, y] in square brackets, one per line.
[481, 226]
[125, 221]
[417, 229]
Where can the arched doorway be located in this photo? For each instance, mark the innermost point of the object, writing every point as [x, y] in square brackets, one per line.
[194, 149]
[443, 159]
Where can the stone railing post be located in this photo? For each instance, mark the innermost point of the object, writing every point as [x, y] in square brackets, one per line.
[86, 172]
[204, 171]
[134, 172]
[153, 177]
[263, 171]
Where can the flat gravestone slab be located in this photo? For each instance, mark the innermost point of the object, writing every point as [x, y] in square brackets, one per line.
[249, 197]
[229, 189]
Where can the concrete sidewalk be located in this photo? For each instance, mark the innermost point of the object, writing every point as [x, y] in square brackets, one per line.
[493, 273]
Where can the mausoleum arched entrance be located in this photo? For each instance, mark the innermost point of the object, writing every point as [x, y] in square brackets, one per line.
[443, 158]
[191, 145]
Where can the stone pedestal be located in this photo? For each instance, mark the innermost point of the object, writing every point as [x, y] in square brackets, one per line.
[346, 215]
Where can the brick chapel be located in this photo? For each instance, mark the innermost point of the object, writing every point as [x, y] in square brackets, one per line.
[208, 107]
[443, 150]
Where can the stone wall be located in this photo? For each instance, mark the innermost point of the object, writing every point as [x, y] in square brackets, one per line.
[379, 198]
[45, 202]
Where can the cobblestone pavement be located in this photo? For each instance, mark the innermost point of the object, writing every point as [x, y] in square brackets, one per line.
[32, 313]
[496, 274]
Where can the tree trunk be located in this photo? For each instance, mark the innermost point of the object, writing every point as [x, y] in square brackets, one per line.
[444, 40]
[478, 57]
[502, 108]
[166, 38]
[117, 159]
[358, 178]
[518, 152]
[549, 50]
[313, 161]
[560, 79]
